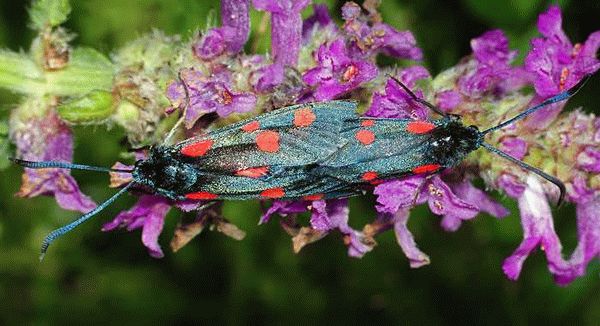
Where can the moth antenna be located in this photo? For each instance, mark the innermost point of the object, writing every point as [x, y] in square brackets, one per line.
[556, 98]
[558, 183]
[418, 99]
[61, 231]
[64, 165]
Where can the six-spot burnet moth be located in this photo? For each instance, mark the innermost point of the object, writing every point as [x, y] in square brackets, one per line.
[307, 151]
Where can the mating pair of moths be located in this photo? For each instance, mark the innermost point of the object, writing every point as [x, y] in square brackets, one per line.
[306, 151]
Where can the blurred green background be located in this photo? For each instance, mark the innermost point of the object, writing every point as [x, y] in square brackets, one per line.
[95, 277]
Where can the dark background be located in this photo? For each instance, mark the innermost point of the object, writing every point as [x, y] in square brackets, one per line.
[96, 277]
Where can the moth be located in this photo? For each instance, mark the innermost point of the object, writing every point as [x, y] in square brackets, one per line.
[307, 151]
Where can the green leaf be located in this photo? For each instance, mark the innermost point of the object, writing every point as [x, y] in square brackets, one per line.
[88, 70]
[20, 74]
[44, 13]
[94, 107]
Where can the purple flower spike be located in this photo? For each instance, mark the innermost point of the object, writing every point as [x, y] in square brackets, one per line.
[555, 62]
[337, 73]
[286, 28]
[206, 95]
[149, 214]
[49, 139]
[229, 38]
[395, 102]
[538, 230]
[492, 72]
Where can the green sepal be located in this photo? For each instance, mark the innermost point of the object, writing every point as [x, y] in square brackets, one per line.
[96, 106]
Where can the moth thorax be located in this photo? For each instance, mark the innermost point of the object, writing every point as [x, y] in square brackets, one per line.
[451, 142]
[162, 172]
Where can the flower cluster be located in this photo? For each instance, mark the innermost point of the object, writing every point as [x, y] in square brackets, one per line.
[316, 60]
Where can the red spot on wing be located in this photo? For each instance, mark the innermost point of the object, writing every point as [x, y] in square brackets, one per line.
[273, 193]
[201, 195]
[419, 127]
[251, 126]
[367, 123]
[369, 176]
[366, 137]
[304, 117]
[256, 172]
[314, 197]
[197, 149]
[268, 141]
[426, 168]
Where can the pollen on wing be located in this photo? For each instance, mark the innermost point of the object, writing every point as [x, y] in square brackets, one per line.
[304, 117]
[256, 172]
[419, 127]
[201, 195]
[426, 168]
[268, 141]
[273, 193]
[366, 137]
[251, 126]
[197, 149]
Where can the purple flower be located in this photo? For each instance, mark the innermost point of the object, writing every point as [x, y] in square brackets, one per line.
[589, 159]
[396, 195]
[286, 28]
[283, 208]
[556, 63]
[149, 214]
[514, 146]
[327, 215]
[447, 100]
[491, 71]
[320, 18]
[229, 38]
[49, 139]
[264, 79]
[369, 38]
[333, 214]
[207, 94]
[404, 237]
[538, 230]
[395, 102]
[337, 73]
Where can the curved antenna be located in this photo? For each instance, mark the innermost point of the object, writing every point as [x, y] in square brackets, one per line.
[418, 99]
[61, 231]
[556, 98]
[528, 167]
[64, 165]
